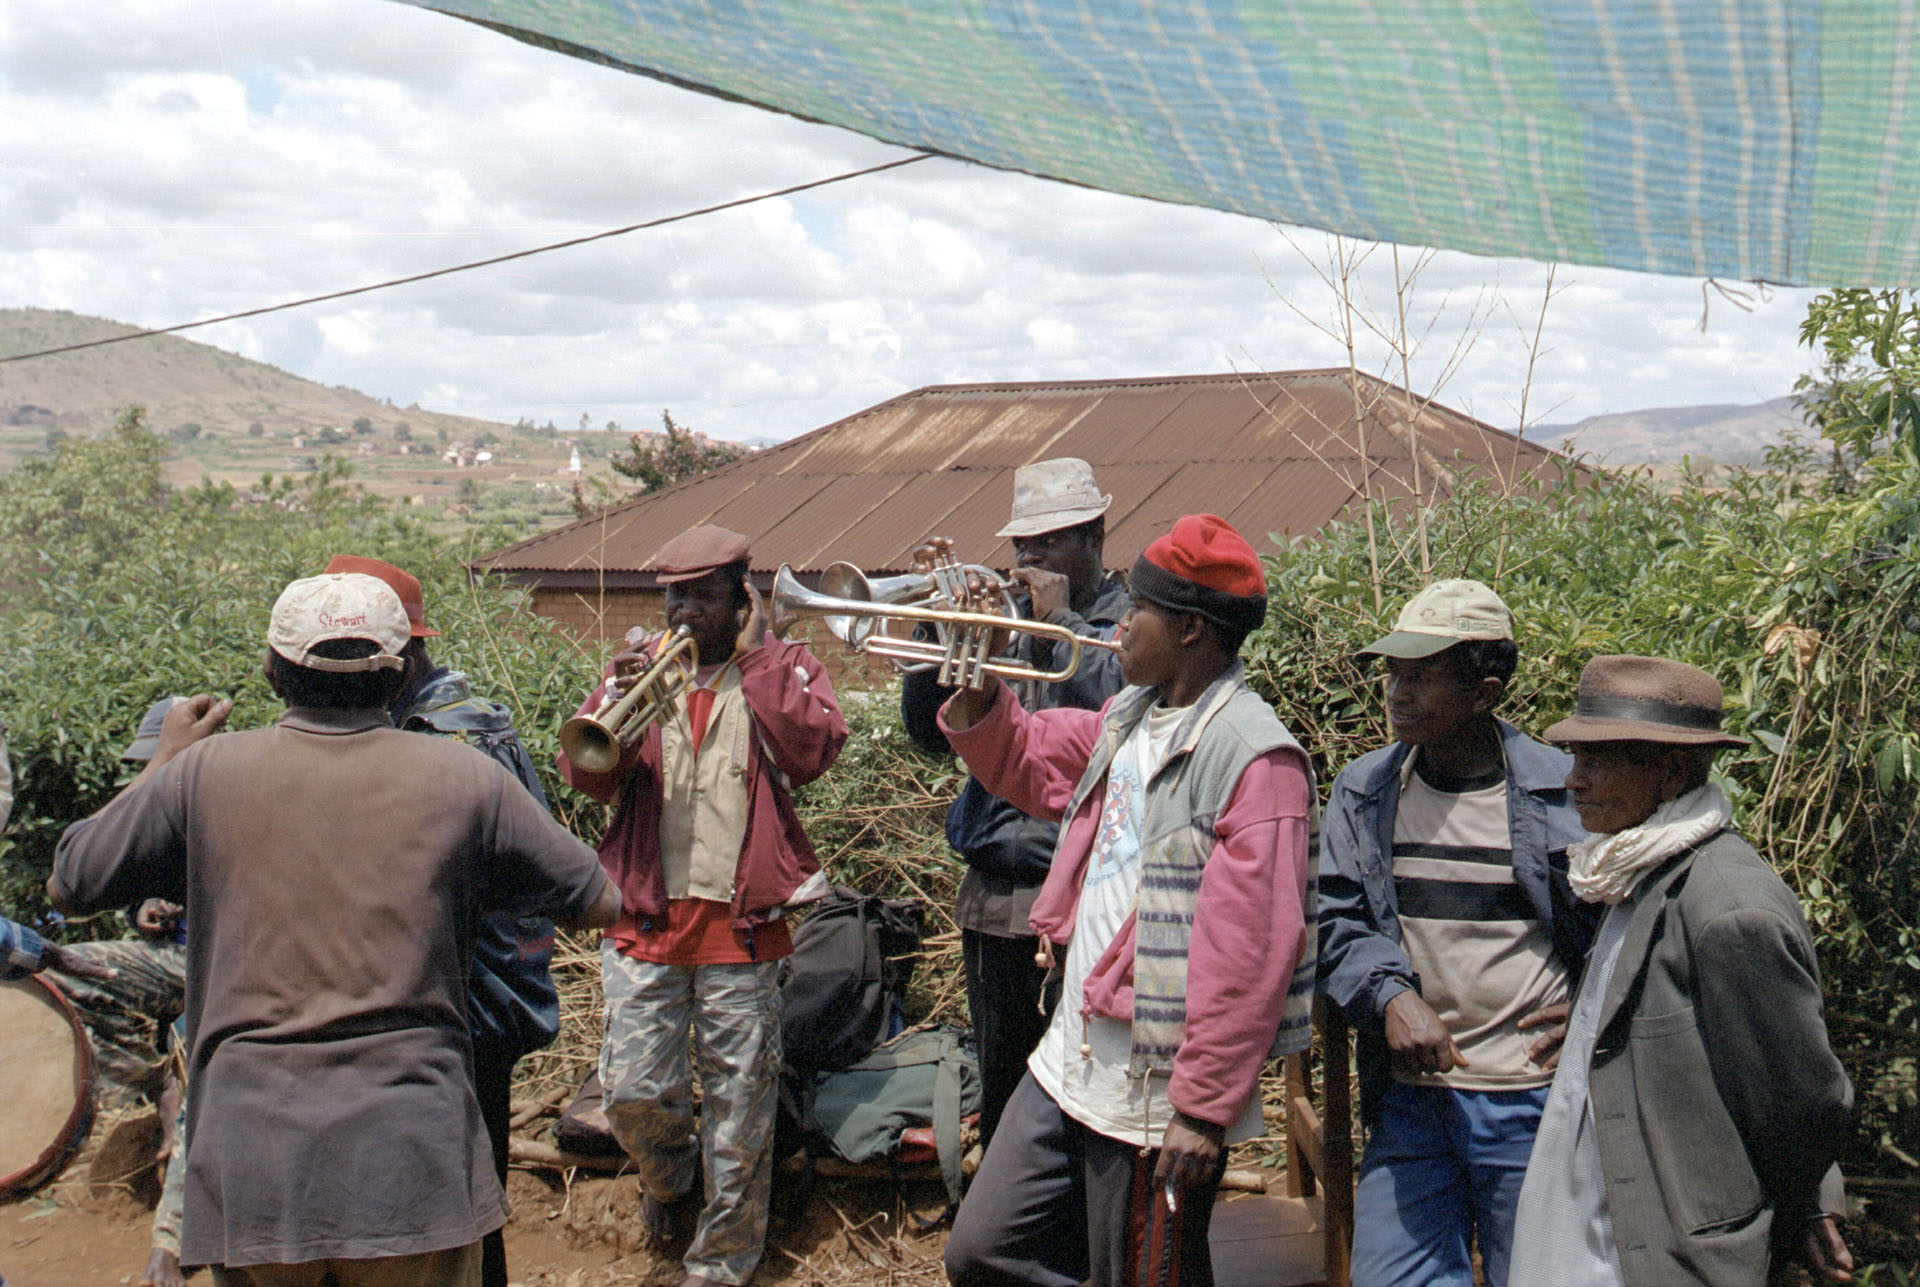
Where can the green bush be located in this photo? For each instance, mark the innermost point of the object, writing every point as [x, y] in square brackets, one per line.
[1802, 600]
[119, 591]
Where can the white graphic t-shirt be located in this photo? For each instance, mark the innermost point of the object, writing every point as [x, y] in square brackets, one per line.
[1094, 1089]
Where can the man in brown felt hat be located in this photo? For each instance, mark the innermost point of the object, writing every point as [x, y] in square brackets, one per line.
[708, 854]
[1694, 1120]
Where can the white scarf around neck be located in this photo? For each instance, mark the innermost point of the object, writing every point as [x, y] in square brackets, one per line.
[1604, 869]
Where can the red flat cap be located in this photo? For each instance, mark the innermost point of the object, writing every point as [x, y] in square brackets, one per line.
[698, 551]
[404, 584]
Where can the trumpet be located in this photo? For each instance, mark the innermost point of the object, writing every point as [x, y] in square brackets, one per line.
[853, 608]
[596, 742]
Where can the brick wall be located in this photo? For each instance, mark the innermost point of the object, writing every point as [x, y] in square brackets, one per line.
[600, 615]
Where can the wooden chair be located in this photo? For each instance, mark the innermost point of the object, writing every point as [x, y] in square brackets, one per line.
[1320, 1145]
[1305, 1235]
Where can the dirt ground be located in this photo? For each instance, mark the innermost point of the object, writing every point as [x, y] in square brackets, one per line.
[578, 1234]
[583, 1234]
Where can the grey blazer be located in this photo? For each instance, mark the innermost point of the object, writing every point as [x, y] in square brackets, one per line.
[1718, 1105]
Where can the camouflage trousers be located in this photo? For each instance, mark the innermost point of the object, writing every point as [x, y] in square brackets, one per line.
[126, 1014]
[727, 1017]
[171, 1209]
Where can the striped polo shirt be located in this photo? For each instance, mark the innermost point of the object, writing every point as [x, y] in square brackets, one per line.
[1483, 958]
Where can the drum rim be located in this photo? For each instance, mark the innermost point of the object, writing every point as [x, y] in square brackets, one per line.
[73, 1133]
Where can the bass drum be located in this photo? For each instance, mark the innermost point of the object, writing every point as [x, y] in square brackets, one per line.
[46, 1068]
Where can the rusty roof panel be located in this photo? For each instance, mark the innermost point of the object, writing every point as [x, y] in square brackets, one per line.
[1130, 425]
[625, 536]
[889, 438]
[1271, 451]
[1236, 490]
[821, 523]
[1296, 499]
[996, 432]
[1296, 422]
[925, 506]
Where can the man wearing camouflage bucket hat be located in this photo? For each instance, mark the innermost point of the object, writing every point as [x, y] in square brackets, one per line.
[1448, 936]
[1694, 1121]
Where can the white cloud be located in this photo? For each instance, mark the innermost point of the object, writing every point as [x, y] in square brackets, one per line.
[259, 153]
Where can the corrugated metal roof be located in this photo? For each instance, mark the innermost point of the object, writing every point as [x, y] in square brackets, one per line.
[1272, 452]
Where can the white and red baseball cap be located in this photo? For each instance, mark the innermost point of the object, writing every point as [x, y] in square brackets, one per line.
[339, 605]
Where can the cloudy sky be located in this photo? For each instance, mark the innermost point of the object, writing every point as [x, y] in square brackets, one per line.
[163, 162]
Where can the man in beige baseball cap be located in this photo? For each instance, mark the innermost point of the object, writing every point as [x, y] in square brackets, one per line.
[336, 870]
[1442, 615]
[1448, 936]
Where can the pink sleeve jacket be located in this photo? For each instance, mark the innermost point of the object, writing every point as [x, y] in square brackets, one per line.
[1249, 926]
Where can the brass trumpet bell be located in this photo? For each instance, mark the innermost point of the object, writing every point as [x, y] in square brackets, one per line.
[596, 742]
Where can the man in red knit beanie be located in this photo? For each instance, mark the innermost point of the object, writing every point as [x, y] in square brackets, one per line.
[1182, 891]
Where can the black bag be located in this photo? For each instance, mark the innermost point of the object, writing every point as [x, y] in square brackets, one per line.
[852, 956]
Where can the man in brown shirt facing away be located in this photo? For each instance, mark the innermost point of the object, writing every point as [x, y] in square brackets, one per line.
[336, 869]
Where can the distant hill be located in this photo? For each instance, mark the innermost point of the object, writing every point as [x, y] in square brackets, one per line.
[180, 382]
[233, 419]
[1728, 434]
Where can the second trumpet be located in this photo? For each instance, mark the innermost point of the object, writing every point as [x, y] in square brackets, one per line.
[961, 652]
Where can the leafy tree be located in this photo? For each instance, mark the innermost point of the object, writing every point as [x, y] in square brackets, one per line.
[54, 436]
[402, 432]
[362, 425]
[80, 508]
[661, 460]
[256, 430]
[1868, 393]
[189, 431]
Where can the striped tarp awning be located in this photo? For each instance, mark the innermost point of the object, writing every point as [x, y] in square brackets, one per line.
[1773, 140]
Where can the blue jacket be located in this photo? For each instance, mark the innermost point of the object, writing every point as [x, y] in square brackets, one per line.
[21, 951]
[986, 831]
[1362, 963]
[515, 1009]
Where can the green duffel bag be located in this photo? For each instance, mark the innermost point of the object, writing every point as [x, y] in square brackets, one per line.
[924, 1076]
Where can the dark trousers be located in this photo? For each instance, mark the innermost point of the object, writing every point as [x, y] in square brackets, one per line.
[1054, 1203]
[1004, 989]
[493, 1085]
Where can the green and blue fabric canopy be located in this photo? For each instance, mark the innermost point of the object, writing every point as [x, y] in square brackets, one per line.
[1773, 140]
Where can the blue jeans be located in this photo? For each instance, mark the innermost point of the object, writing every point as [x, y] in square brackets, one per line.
[1441, 1167]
